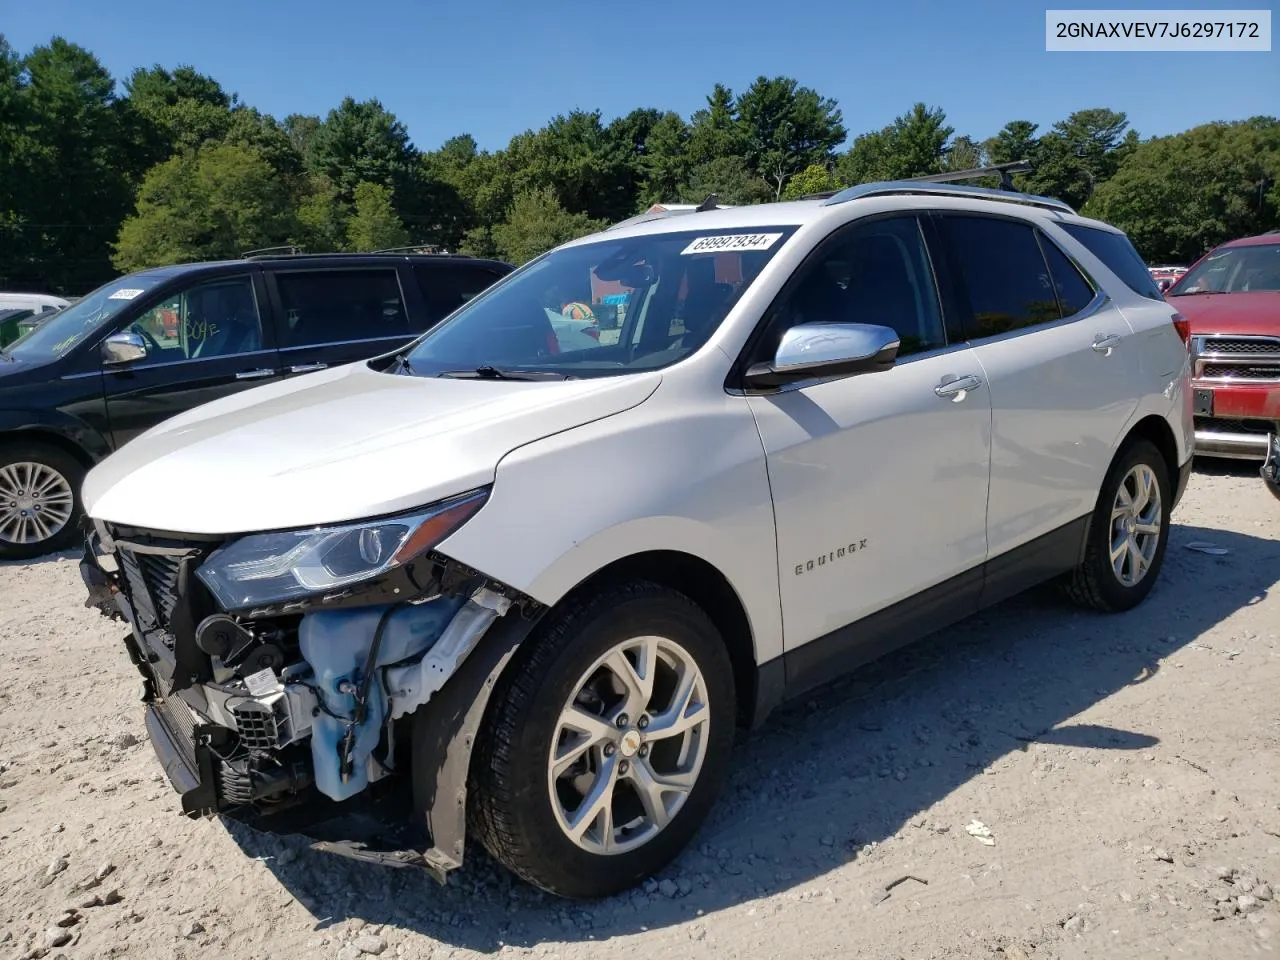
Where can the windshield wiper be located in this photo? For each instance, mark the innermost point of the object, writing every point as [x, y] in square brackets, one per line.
[490, 372]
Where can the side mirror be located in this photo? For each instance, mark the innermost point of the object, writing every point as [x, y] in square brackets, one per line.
[812, 350]
[1164, 285]
[123, 347]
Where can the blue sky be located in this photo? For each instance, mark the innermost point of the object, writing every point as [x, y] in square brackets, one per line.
[494, 69]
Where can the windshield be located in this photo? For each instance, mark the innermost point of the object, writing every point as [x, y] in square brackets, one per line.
[601, 309]
[70, 325]
[1234, 270]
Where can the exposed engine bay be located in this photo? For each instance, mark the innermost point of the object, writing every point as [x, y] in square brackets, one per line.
[306, 703]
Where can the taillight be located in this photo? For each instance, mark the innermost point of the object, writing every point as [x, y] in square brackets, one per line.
[1183, 326]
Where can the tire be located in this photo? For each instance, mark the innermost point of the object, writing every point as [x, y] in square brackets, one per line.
[522, 812]
[1096, 584]
[53, 514]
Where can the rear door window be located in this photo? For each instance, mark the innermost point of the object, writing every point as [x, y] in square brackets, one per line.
[447, 286]
[1074, 291]
[1003, 278]
[338, 306]
[1115, 250]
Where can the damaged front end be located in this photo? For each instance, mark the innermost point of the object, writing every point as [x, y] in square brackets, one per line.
[347, 714]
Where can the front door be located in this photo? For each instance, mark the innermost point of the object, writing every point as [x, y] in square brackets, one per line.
[203, 342]
[879, 481]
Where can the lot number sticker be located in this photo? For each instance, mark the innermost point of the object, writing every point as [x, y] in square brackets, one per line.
[126, 294]
[732, 243]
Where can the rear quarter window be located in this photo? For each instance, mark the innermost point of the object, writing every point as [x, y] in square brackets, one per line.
[1120, 257]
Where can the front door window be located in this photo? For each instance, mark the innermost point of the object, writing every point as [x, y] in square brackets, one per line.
[218, 318]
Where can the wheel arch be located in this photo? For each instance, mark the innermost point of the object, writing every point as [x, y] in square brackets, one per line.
[1155, 429]
[707, 587]
[52, 438]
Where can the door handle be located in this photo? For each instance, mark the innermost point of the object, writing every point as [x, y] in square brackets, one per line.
[308, 367]
[1104, 345]
[957, 389]
[255, 374]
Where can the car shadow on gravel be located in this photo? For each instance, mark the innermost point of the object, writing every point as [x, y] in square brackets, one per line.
[843, 768]
[60, 556]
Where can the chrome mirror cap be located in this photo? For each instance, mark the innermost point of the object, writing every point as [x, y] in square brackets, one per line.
[123, 347]
[816, 350]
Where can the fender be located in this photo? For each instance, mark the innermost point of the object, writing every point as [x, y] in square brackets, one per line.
[444, 733]
[28, 424]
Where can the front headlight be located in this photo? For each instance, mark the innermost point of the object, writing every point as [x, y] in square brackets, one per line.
[271, 568]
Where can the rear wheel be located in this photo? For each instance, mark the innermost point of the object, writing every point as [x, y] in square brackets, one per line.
[39, 500]
[1128, 533]
[606, 743]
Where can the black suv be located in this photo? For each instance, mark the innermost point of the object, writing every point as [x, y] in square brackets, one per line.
[155, 343]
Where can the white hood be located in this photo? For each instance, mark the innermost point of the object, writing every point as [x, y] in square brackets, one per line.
[342, 444]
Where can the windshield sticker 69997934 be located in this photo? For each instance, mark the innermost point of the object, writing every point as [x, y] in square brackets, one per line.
[732, 243]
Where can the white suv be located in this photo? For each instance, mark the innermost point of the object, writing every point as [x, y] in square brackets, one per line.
[532, 586]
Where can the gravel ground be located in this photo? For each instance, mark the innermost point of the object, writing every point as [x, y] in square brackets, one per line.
[1126, 769]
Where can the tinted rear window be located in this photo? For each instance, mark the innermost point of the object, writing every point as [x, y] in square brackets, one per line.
[1074, 291]
[1115, 250]
[1003, 274]
[446, 287]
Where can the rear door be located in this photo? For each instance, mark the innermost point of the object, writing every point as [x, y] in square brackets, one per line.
[204, 341]
[336, 315]
[1057, 356]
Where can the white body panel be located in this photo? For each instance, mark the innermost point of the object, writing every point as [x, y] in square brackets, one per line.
[882, 464]
[1059, 409]
[340, 444]
[681, 472]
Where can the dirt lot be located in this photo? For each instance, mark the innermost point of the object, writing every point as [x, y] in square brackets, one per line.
[1127, 768]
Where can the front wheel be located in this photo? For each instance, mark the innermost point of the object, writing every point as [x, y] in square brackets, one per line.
[606, 743]
[1128, 533]
[39, 500]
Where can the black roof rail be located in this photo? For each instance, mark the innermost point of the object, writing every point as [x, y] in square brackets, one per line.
[1004, 171]
[426, 249]
[284, 250]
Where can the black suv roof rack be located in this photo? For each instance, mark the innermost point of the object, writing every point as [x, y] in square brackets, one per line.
[282, 252]
[426, 249]
[264, 253]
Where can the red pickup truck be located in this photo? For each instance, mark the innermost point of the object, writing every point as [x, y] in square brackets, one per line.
[1231, 296]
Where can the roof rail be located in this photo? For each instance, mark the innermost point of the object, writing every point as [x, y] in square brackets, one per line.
[284, 250]
[910, 187]
[1004, 171]
[426, 249]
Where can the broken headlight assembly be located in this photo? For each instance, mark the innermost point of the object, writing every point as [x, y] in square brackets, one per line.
[271, 568]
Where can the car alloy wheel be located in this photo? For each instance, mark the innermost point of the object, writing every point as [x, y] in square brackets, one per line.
[1135, 524]
[36, 503]
[629, 745]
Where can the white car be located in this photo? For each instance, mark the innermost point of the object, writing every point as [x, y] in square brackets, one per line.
[37, 303]
[824, 429]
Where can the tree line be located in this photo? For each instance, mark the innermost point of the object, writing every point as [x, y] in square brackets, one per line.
[98, 178]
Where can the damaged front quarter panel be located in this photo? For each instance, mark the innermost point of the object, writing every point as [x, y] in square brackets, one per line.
[437, 659]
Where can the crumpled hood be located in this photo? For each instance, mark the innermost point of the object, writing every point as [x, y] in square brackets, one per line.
[341, 444]
[1246, 313]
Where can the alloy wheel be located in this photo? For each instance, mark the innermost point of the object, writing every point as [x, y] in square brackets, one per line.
[629, 745]
[36, 503]
[1136, 515]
